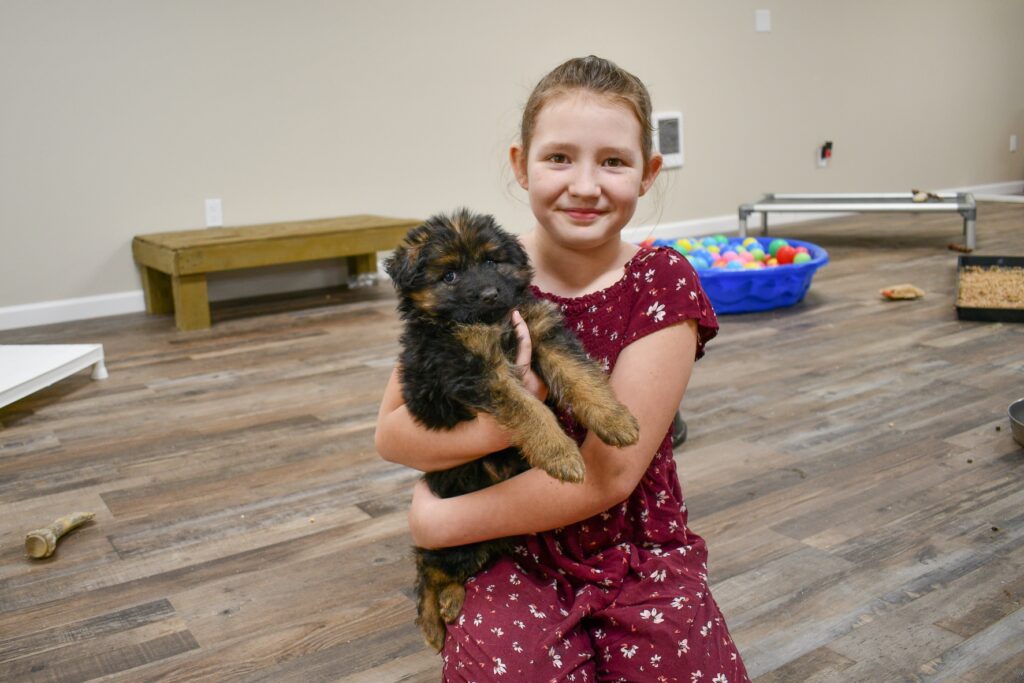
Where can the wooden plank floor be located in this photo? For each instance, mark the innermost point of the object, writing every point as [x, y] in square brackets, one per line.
[849, 462]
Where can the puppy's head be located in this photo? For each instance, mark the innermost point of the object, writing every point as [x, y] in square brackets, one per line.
[459, 268]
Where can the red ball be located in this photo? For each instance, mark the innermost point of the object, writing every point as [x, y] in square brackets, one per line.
[785, 255]
[802, 250]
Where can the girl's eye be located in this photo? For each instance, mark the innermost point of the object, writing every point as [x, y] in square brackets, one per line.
[615, 163]
[558, 159]
[450, 277]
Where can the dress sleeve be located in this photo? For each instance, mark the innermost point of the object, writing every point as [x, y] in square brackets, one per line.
[667, 291]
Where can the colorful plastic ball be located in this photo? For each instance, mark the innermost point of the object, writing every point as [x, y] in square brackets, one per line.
[746, 257]
[719, 263]
[751, 265]
[758, 254]
[649, 242]
[801, 257]
[734, 265]
[802, 250]
[772, 262]
[721, 239]
[775, 244]
[784, 255]
[749, 241]
[730, 256]
[713, 249]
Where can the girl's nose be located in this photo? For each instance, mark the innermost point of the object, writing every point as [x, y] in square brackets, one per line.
[584, 183]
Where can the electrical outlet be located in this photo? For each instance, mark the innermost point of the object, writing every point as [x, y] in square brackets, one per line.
[1013, 143]
[214, 213]
[763, 20]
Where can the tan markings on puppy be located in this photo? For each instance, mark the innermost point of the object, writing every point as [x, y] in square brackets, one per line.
[424, 300]
[483, 341]
[576, 381]
[460, 222]
[429, 615]
[450, 600]
[533, 428]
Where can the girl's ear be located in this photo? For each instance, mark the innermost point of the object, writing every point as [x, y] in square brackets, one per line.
[651, 171]
[517, 157]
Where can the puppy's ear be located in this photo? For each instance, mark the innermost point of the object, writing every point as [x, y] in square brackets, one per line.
[401, 266]
[393, 265]
[514, 248]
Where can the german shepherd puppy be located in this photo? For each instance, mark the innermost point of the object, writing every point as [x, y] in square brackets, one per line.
[458, 278]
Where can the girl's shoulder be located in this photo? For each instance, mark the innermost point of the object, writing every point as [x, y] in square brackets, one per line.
[666, 291]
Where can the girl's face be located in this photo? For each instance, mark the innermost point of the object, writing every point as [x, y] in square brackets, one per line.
[584, 171]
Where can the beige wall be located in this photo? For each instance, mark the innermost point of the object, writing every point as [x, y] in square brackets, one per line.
[119, 117]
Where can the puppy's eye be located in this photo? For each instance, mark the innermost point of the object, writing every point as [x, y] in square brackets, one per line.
[490, 262]
[450, 277]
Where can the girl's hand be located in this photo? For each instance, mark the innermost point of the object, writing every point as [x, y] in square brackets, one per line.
[524, 355]
[423, 517]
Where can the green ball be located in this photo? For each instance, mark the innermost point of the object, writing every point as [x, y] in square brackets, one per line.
[775, 244]
[801, 257]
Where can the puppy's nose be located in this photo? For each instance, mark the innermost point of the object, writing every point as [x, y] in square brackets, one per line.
[489, 295]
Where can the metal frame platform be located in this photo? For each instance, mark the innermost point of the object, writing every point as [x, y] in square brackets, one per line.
[962, 203]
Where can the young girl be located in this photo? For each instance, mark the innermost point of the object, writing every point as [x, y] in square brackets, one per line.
[607, 584]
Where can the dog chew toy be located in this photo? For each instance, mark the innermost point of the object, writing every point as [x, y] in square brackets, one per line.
[41, 543]
[924, 195]
[902, 292]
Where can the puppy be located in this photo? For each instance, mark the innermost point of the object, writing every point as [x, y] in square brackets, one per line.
[458, 278]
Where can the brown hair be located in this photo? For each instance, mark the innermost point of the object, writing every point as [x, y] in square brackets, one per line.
[595, 75]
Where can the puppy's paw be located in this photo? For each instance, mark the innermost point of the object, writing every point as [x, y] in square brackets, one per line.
[450, 601]
[434, 632]
[563, 462]
[616, 428]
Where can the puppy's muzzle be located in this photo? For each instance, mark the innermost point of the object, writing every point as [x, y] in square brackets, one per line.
[489, 295]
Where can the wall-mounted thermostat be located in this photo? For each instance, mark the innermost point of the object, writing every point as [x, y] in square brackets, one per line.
[668, 137]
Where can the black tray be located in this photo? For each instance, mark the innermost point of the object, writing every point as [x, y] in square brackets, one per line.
[992, 315]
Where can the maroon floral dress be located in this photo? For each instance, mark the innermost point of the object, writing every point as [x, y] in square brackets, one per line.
[622, 596]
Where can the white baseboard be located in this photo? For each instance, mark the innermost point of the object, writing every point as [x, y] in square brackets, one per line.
[66, 310]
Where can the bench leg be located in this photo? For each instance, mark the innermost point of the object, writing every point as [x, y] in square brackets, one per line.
[969, 236]
[764, 223]
[191, 302]
[157, 288]
[362, 269]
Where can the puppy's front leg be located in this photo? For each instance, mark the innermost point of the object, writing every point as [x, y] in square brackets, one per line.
[574, 379]
[533, 428]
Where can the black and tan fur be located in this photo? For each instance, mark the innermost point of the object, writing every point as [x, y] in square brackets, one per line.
[458, 278]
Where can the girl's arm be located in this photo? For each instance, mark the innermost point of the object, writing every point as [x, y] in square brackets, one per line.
[650, 378]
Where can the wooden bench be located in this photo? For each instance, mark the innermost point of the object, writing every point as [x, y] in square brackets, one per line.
[174, 265]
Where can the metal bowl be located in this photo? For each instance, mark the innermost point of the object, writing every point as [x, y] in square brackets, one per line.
[1016, 413]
